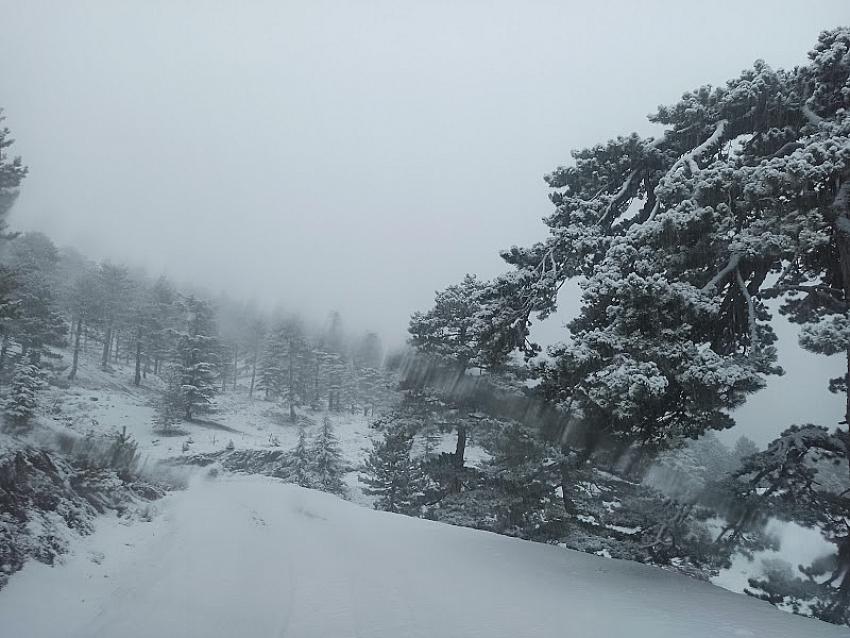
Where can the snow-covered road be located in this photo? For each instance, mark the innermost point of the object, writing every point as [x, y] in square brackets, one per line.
[251, 557]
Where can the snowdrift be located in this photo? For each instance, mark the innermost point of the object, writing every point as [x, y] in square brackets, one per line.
[252, 557]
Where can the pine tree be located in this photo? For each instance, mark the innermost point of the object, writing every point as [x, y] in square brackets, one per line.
[22, 400]
[392, 475]
[448, 329]
[447, 337]
[113, 305]
[297, 369]
[165, 324]
[12, 173]
[37, 324]
[272, 370]
[786, 481]
[677, 242]
[255, 337]
[302, 462]
[327, 463]
[198, 358]
[170, 406]
[81, 301]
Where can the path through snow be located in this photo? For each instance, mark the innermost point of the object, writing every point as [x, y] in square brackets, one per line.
[250, 556]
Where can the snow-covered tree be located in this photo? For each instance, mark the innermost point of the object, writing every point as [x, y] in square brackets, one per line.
[114, 293]
[392, 475]
[37, 323]
[676, 242]
[523, 474]
[165, 326]
[273, 371]
[22, 400]
[285, 372]
[447, 338]
[302, 462]
[327, 463]
[786, 481]
[448, 329]
[12, 173]
[170, 406]
[81, 300]
[254, 342]
[198, 355]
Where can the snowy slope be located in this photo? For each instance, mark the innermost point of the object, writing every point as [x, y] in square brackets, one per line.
[252, 557]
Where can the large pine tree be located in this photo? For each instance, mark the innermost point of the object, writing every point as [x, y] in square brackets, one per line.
[677, 242]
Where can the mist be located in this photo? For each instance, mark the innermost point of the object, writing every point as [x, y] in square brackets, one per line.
[353, 157]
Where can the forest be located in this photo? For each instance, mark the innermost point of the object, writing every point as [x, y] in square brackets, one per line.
[687, 248]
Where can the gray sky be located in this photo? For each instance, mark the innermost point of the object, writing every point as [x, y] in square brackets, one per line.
[349, 155]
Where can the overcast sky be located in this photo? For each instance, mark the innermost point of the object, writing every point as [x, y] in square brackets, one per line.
[352, 155]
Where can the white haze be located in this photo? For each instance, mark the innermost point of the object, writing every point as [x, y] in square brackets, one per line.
[354, 156]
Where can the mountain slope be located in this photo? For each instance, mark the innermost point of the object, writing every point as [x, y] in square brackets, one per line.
[252, 557]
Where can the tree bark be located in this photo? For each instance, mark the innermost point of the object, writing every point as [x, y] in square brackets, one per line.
[107, 345]
[253, 373]
[841, 204]
[235, 364]
[460, 452]
[137, 380]
[4, 349]
[77, 335]
[291, 388]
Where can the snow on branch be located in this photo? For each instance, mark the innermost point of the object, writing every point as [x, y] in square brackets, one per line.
[751, 309]
[690, 158]
[734, 260]
[618, 197]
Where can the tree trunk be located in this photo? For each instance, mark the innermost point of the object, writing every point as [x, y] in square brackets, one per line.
[4, 349]
[291, 388]
[460, 452]
[253, 373]
[137, 380]
[841, 204]
[566, 487]
[107, 345]
[77, 335]
[235, 364]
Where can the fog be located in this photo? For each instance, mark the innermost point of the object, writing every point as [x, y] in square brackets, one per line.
[355, 156]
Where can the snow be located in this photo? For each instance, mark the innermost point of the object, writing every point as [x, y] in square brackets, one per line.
[251, 556]
[101, 403]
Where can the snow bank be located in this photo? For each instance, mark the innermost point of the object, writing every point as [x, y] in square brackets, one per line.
[250, 556]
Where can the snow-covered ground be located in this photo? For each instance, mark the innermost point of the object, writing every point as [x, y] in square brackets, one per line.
[251, 556]
[101, 403]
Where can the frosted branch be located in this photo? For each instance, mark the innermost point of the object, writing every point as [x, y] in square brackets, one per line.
[751, 308]
[734, 260]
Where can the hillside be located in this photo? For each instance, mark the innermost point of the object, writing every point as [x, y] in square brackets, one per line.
[254, 557]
